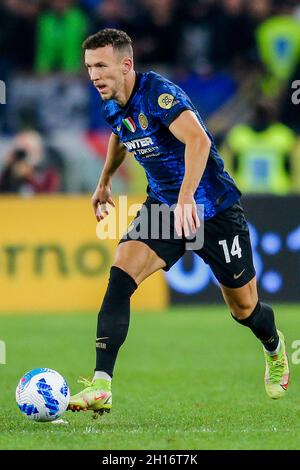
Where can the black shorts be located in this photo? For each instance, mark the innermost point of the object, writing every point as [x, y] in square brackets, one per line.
[226, 248]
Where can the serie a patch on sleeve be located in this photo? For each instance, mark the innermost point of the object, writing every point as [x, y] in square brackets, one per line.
[165, 100]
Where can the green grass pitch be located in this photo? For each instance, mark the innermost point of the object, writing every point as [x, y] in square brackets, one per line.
[189, 378]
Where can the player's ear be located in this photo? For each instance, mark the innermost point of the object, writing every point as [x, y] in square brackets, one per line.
[127, 65]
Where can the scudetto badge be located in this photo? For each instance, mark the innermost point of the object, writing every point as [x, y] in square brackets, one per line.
[165, 101]
[143, 121]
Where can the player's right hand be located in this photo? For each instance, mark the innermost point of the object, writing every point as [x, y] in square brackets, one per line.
[100, 200]
[186, 218]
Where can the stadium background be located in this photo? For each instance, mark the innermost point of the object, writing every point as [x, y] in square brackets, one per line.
[238, 61]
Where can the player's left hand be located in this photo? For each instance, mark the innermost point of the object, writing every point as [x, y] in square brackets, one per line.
[186, 218]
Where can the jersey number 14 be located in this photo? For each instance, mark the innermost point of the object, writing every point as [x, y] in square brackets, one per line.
[235, 249]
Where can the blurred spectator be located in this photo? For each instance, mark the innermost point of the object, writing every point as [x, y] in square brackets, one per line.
[17, 33]
[110, 14]
[60, 33]
[197, 18]
[231, 41]
[17, 43]
[26, 170]
[256, 12]
[278, 42]
[156, 32]
[262, 152]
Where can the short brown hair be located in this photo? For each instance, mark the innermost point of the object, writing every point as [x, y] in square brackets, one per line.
[117, 38]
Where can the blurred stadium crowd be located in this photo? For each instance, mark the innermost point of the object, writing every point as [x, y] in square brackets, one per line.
[236, 59]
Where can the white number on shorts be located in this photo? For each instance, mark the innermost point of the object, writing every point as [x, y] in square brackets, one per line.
[235, 249]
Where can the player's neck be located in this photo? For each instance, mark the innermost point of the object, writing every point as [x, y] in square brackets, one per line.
[125, 93]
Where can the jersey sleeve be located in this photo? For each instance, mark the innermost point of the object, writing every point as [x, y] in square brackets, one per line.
[167, 101]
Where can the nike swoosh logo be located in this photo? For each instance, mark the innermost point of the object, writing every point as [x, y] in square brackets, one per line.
[284, 386]
[104, 337]
[236, 276]
[100, 397]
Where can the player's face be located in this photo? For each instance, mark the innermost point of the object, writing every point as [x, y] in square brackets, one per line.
[105, 67]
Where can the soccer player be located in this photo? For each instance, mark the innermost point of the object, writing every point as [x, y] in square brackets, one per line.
[156, 120]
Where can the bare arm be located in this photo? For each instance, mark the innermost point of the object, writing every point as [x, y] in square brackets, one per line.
[189, 131]
[116, 153]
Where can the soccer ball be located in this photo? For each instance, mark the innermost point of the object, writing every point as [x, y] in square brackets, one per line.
[42, 394]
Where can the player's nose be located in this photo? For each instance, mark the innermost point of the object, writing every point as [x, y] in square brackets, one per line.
[95, 75]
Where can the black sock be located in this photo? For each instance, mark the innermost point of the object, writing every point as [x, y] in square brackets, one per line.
[262, 323]
[113, 319]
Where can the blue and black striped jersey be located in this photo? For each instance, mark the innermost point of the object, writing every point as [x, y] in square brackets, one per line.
[142, 126]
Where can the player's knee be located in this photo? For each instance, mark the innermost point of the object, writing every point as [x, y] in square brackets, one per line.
[131, 270]
[242, 309]
[242, 301]
[137, 260]
[131, 262]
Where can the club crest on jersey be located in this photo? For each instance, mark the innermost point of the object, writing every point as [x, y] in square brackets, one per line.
[129, 124]
[165, 101]
[143, 121]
